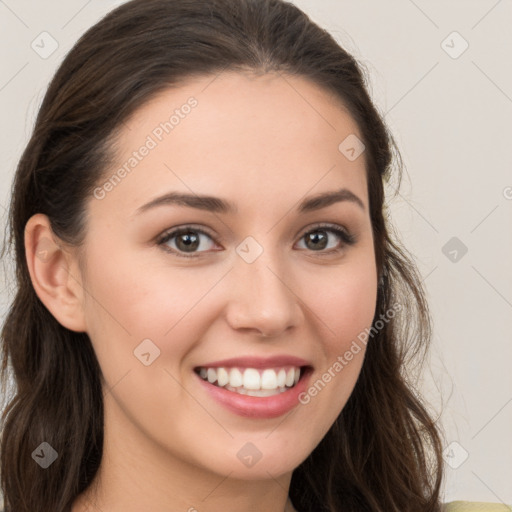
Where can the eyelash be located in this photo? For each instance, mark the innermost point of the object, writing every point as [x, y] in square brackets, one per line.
[346, 237]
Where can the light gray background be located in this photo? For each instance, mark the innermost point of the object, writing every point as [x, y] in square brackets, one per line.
[452, 120]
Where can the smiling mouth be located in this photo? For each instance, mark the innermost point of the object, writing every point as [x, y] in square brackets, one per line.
[258, 382]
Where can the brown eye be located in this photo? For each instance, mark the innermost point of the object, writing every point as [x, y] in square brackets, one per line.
[324, 237]
[316, 240]
[186, 240]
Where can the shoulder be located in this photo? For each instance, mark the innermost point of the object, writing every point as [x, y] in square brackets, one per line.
[475, 506]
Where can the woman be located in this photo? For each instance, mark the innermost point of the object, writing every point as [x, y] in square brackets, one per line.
[210, 310]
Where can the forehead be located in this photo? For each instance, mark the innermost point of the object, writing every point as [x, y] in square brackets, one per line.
[271, 137]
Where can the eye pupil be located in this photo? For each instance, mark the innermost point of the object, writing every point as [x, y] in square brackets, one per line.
[190, 239]
[317, 236]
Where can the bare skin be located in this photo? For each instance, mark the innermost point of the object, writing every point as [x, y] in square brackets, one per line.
[265, 144]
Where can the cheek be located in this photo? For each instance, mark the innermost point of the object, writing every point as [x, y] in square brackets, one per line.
[344, 310]
[141, 299]
[345, 301]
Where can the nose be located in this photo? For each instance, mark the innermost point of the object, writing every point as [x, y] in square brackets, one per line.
[262, 297]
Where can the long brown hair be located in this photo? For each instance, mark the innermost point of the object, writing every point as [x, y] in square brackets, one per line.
[383, 452]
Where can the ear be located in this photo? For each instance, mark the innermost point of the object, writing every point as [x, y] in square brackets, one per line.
[55, 273]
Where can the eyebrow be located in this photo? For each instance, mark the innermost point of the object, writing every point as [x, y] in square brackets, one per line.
[218, 205]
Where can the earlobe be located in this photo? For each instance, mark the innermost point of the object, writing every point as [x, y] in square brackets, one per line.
[54, 273]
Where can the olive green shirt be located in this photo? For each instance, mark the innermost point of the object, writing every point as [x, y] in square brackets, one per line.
[475, 506]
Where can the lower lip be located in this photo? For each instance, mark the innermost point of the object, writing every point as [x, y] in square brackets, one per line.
[256, 406]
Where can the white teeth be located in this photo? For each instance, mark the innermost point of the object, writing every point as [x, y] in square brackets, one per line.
[268, 379]
[290, 377]
[235, 378]
[212, 375]
[281, 378]
[222, 377]
[253, 382]
[252, 379]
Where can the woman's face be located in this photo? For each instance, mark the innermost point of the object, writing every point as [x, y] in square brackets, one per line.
[257, 278]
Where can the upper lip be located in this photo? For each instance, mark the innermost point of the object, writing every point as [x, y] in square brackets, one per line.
[258, 362]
